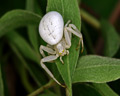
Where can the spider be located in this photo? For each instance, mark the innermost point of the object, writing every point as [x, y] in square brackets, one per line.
[58, 39]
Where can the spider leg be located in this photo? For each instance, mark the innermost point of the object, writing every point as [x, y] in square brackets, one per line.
[48, 59]
[61, 60]
[72, 28]
[47, 49]
[67, 23]
[67, 38]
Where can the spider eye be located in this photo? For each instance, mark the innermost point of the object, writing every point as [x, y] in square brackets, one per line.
[61, 52]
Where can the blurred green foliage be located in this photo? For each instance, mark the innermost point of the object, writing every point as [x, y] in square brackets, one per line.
[20, 70]
[103, 8]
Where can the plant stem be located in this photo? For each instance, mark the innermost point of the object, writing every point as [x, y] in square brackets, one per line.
[90, 19]
[67, 92]
[38, 91]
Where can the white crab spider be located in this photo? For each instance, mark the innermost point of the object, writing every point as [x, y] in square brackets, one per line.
[58, 37]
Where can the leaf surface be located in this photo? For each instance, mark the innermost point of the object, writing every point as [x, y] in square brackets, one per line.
[2, 89]
[97, 69]
[111, 39]
[104, 89]
[34, 69]
[33, 33]
[3, 83]
[17, 18]
[70, 11]
[23, 46]
[84, 90]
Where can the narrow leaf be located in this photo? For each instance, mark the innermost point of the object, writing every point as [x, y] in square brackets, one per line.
[1, 49]
[2, 89]
[104, 89]
[30, 4]
[111, 39]
[48, 93]
[93, 68]
[23, 74]
[23, 46]
[88, 41]
[85, 90]
[17, 18]
[33, 36]
[3, 83]
[33, 69]
[32, 29]
[70, 11]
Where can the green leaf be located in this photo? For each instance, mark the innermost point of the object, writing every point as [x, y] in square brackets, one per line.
[85, 90]
[17, 18]
[2, 90]
[3, 86]
[88, 41]
[104, 89]
[103, 11]
[23, 46]
[24, 76]
[32, 29]
[48, 93]
[33, 36]
[70, 11]
[38, 8]
[1, 49]
[33, 5]
[93, 89]
[35, 70]
[93, 68]
[30, 4]
[111, 39]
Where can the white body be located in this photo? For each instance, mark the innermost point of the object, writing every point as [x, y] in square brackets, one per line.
[51, 27]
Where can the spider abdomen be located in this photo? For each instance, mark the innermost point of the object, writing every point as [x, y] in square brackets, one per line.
[51, 27]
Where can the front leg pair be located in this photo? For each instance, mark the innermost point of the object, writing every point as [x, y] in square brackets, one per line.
[52, 57]
[71, 28]
[46, 49]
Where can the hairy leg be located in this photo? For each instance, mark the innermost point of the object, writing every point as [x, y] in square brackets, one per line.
[47, 49]
[72, 29]
[48, 59]
[67, 38]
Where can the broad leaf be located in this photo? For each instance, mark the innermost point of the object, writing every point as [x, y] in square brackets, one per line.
[23, 46]
[104, 89]
[70, 11]
[17, 18]
[111, 39]
[93, 68]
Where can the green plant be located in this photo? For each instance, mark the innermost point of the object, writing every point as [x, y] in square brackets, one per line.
[82, 73]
